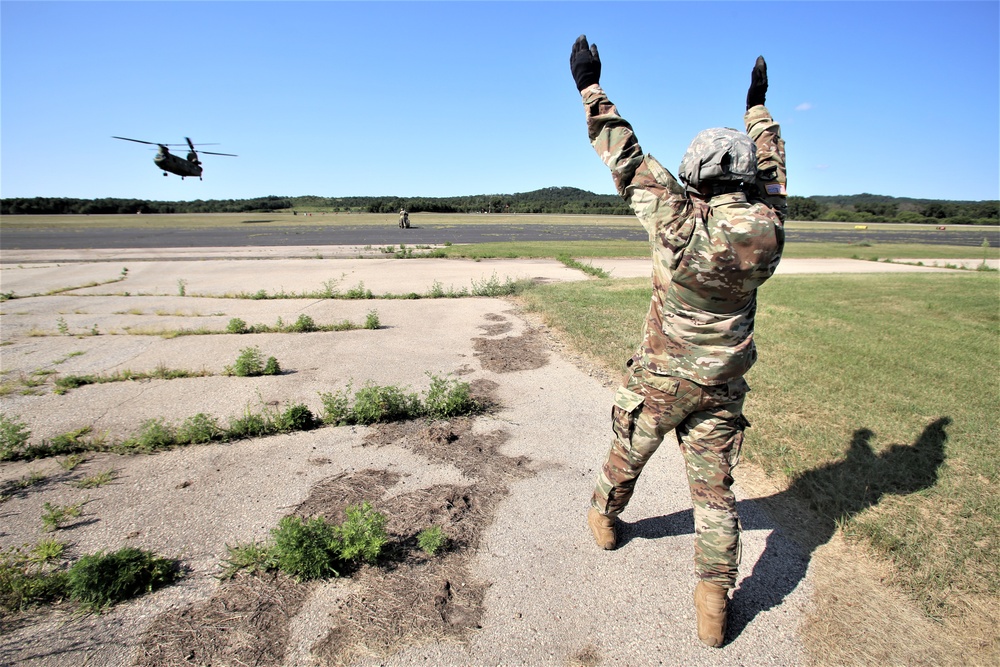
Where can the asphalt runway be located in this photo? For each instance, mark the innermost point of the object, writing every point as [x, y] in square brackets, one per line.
[361, 235]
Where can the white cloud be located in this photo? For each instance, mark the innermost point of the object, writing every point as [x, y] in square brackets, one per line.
[805, 106]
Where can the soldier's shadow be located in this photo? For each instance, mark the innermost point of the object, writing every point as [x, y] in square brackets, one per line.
[837, 491]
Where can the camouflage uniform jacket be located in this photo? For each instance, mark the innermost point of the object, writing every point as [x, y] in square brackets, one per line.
[709, 257]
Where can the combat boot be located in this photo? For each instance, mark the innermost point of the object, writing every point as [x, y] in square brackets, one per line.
[710, 601]
[603, 528]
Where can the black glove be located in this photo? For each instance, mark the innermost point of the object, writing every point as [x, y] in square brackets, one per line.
[758, 83]
[584, 63]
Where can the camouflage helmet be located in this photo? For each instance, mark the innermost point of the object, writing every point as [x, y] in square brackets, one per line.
[719, 154]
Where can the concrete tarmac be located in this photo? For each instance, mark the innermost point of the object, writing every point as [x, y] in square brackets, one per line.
[552, 597]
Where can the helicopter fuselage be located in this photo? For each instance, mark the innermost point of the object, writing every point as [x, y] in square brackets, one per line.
[167, 161]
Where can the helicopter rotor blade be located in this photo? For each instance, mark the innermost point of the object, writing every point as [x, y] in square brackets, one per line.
[211, 153]
[138, 141]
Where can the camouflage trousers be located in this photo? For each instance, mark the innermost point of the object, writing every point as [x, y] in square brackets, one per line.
[709, 425]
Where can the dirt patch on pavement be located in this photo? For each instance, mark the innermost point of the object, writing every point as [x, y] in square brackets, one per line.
[426, 597]
[411, 597]
[246, 622]
[512, 353]
[501, 325]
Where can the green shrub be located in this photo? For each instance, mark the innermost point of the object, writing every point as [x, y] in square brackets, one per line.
[250, 425]
[362, 535]
[358, 292]
[271, 367]
[153, 435]
[448, 398]
[374, 404]
[236, 326]
[14, 436]
[493, 287]
[304, 324]
[337, 407]
[249, 363]
[372, 320]
[199, 429]
[295, 418]
[431, 540]
[65, 443]
[100, 580]
[306, 549]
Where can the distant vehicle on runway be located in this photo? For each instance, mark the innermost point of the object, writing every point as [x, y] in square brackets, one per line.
[169, 162]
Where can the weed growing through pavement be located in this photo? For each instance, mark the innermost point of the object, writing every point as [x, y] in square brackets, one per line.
[589, 269]
[181, 287]
[251, 363]
[96, 481]
[304, 324]
[25, 482]
[372, 320]
[14, 435]
[306, 549]
[236, 326]
[101, 580]
[358, 292]
[62, 326]
[67, 357]
[432, 540]
[493, 287]
[67, 382]
[27, 579]
[153, 435]
[199, 429]
[72, 461]
[313, 548]
[55, 516]
[446, 398]
[329, 290]
[297, 417]
[47, 550]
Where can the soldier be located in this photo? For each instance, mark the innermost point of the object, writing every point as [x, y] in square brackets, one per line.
[404, 218]
[715, 237]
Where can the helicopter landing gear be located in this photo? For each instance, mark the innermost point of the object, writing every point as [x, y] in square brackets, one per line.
[165, 174]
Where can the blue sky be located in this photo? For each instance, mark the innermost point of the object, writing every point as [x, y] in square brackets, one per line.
[461, 98]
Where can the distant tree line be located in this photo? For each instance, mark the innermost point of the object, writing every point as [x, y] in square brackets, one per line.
[879, 208]
[847, 208]
[60, 205]
[546, 200]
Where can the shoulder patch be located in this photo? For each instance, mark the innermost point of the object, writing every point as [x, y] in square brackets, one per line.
[775, 189]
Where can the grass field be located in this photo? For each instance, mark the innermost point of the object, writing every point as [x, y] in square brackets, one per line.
[307, 218]
[583, 249]
[875, 400]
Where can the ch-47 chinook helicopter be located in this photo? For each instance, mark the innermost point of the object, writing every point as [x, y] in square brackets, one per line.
[167, 161]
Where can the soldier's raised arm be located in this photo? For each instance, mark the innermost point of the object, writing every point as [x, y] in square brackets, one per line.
[641, 181]
[766, 133]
